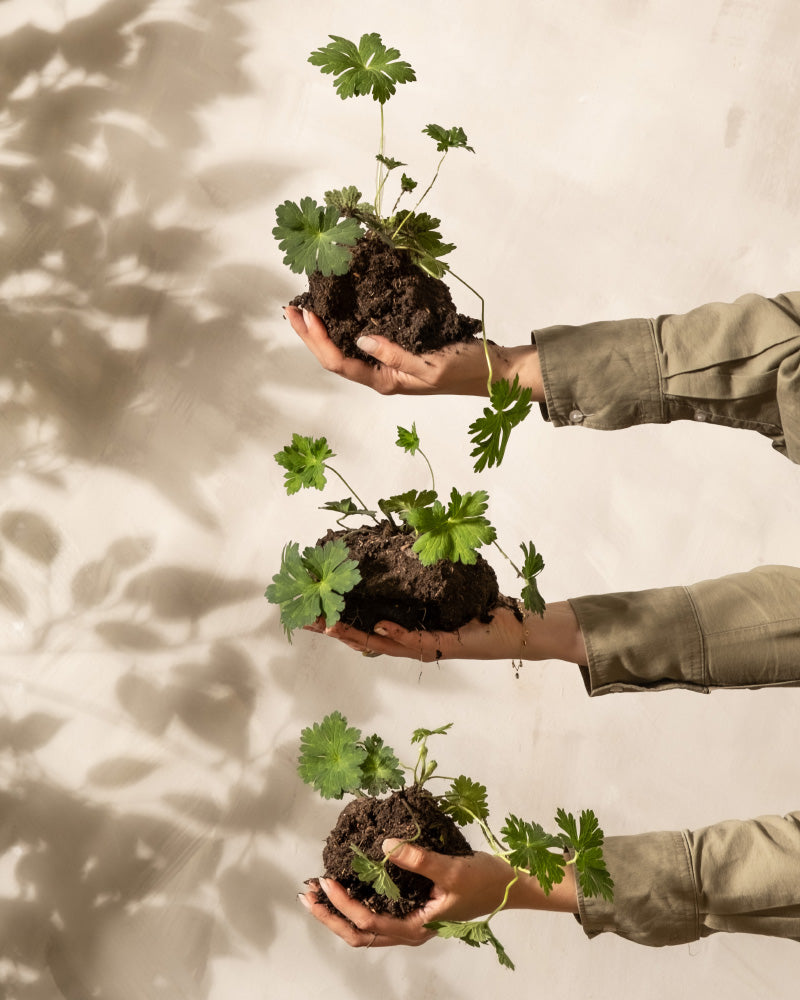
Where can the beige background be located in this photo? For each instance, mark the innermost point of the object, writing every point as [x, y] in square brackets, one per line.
[633, 157]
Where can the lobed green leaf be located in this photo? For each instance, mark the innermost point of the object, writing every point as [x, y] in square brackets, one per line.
[465, 801]
[473, 933]
[373, 873]
[380, 769]
[532, 566]
[312, 584]
[529, 848]
[331, 756]
[448, 138]
[586, 840]
[304, 460]
[408, 440]
[422, 734]
[400, 503]
[510, 404]
[313, 238]
[454, 532]
[366, 68]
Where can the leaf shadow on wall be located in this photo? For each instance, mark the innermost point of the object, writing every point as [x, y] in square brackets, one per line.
[127, 341]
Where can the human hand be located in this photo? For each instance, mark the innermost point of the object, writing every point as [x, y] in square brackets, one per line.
[463, 888]
[503, 637]
[556, 636]
[458, 369]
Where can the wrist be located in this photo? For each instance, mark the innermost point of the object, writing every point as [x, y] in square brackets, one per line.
[520, 362]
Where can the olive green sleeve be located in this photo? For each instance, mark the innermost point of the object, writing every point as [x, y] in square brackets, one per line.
[738, 631]
[676, 887]
[733, 364]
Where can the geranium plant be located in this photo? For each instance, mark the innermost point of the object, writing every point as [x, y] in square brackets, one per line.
[314, 582]
[336, 759]
[318, 238]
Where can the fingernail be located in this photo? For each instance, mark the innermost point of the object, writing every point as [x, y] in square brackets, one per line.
[302, 899]
[380, 630]
[367, 344]
[323, 884]
[306, 316]
[390, 844]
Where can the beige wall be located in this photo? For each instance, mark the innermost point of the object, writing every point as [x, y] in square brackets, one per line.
[633, 158]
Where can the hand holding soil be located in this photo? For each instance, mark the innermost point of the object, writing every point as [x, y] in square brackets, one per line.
[455, 370]
[555, 636]
[463, 888]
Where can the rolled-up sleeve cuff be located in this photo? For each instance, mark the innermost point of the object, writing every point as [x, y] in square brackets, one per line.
[655, 894]
[601, 375]
[642, 640]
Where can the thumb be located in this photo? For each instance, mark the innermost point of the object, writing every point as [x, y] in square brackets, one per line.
[385, 351]
[414, 859]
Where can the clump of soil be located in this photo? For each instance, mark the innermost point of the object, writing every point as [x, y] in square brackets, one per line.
[396, 587]
[365, 822]
[385, 292]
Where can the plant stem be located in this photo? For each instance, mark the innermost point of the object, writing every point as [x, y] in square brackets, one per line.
[421, 197]
[430, 469]
[483, 329]
[514, 566]
[363, 505]
[378, 181]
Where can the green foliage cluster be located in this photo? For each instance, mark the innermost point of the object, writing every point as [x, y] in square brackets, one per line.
[313, 584]
[319, 237]
[335, 759]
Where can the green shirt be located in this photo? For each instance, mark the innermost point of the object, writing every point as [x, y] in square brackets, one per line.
[734, 364]
[737, 365]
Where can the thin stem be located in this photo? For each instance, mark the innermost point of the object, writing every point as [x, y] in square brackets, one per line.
[364, 506]
[514, 566]
[483, 329]
[378, 182]
[421, 197]
[503, 902]
[430, 468]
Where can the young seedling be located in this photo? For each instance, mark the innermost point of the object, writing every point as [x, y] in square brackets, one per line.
[336, 760]
[319, 238]
[314, 583]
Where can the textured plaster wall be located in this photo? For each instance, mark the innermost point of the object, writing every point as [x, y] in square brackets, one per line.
[633, 158]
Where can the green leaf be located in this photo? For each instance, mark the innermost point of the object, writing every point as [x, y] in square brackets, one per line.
[389, 162]
[346, 507]
[454, 532]
[465, 801]
[529, 847]
[345, 199]
[401, 503]
[587, 843]
[448, 138]
[331, 756]
[422, 734]
[471, 932]
[421, 237]
[373, 873]
[408, 440]
[304, 460]
[380, 769]
[532, 566]
[312, 585]
[407, 184]
[313, 239]
[368, 68]
[510, 404]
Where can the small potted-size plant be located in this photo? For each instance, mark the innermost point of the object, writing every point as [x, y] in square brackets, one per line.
[337, 759]
[374, 269]
[417, 564]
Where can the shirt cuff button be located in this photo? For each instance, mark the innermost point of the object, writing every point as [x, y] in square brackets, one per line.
[699, 415]
[575, 417]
